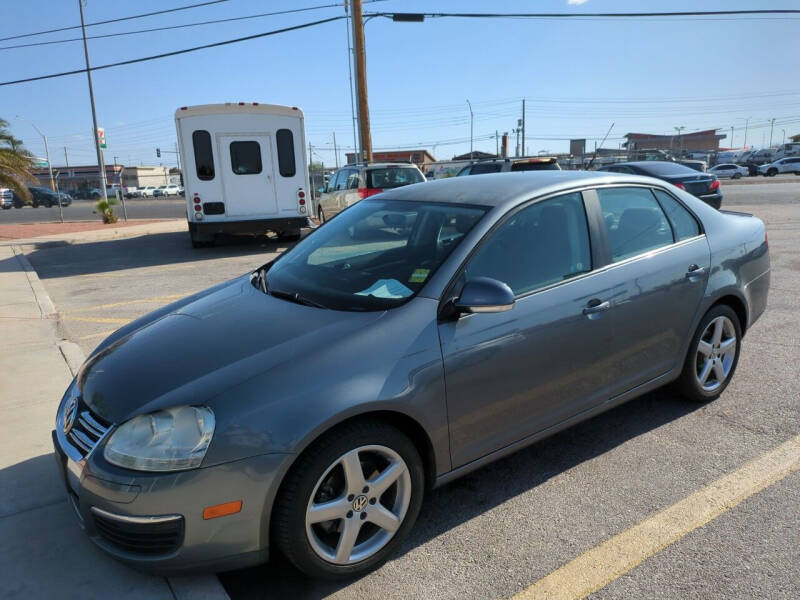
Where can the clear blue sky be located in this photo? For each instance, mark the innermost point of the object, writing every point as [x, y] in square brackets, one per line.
[577, 76]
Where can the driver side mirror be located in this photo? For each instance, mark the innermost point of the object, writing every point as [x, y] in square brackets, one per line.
[484, 295]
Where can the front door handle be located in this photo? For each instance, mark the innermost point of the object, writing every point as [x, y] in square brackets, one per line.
[595, 305]
[695, 271]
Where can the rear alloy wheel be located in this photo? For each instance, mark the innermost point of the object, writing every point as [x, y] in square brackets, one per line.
[349, 501]
[713, 355]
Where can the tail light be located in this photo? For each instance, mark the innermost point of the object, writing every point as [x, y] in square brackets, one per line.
[301, 200]
[679, 185]
[367, 192]
[714, 185]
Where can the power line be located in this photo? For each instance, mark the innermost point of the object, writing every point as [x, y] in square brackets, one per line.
[139, 16]
[177, 52]
[584, 15]
[183, 26]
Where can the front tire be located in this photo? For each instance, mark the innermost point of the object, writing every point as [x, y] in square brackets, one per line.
[321, 215]
[349, 500]
[292, 235]
[772, 172]
[713, 355]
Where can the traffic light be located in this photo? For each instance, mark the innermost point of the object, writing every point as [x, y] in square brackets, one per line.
[158, 152]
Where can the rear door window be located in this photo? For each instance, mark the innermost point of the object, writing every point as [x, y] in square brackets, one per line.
[246, 158]
[480, 169]
[634, 221]
[285, 141]
[203, 156]
[684, 225]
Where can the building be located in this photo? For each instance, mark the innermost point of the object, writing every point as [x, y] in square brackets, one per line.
[707, 140]
[475, 155]
[143, 176]
[74, 178]
[422, 158]
[795, 138]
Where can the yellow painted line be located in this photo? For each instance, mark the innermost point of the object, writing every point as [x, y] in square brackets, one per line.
[96, 335]
[150, 300]
[98, 320]
[596, 568]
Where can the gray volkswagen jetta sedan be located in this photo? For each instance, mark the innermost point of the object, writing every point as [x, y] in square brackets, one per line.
[422, 333]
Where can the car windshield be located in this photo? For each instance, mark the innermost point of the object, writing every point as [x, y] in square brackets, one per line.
[373, 256]
[392, 177]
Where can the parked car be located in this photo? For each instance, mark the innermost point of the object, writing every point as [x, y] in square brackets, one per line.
[729, 171]
[539, 301]
[703, 185]
[6, 198]
[130, 191]
[160, 191]
[353, 183]
[784, 165]
[504, 165]
[697, 165]
[46, 197]
[147, 191]
[172, 190]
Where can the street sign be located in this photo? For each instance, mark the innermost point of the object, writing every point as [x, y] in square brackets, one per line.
[101, 136]
[40, 163]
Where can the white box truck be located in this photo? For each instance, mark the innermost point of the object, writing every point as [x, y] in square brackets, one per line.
[244, 169]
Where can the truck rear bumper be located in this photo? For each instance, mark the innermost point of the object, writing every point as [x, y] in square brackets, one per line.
[206, 229]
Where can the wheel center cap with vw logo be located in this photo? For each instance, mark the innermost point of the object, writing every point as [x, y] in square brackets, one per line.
[360, 503]
[70, 414]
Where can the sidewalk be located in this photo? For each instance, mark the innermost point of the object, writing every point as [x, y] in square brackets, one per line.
[43, 553]
[25, 233]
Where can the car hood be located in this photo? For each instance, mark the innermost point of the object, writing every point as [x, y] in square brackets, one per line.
[195, 352]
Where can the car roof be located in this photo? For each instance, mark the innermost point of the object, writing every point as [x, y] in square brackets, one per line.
[499, 189]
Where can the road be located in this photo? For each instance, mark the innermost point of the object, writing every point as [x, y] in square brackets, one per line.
[84, 210]
[496, 531]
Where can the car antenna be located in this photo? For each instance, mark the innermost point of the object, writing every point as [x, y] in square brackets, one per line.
[591, 162]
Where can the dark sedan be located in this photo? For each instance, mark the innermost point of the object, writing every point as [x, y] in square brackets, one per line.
[703, 185]
[424, 332]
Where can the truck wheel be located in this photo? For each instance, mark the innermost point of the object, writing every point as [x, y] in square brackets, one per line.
[199, 242]
[290, 235]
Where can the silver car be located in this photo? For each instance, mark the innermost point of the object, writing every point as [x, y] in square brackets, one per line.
[353, 183]
[307, 406]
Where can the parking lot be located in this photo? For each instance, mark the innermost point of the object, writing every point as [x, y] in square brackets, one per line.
[497, 531]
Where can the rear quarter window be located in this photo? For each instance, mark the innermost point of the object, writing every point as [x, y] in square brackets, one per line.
[392, 177]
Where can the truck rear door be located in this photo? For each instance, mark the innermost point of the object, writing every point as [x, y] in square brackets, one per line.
[249, 187]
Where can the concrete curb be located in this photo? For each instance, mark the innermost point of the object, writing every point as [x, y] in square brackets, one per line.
[199, 587]
[46, 307]
[759, 180]
[99, 235]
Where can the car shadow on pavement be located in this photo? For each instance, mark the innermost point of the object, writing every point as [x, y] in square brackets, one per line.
[89, 258]
[478, 492]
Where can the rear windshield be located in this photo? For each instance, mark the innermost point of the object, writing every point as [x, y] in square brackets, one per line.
[667, 169]
[480, 169]
[391, 177]
[549, 165]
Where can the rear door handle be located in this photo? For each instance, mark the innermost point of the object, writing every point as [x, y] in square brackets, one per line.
[695, 271]
[595, 305]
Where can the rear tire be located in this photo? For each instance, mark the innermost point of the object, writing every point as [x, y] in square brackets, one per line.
[772, 172]
[712, 357]
[374, 518]
[321, 215]
[737, 175]
[291, 235]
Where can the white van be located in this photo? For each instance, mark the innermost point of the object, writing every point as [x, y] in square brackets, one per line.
[244, 169]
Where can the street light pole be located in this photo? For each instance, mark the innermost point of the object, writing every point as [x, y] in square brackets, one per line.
[771, 125]
[784, 137]
[732, 145]
[680, 139]
[361, 81]
[746, 122]
[471, 157]
[100, 163]
[58, 197]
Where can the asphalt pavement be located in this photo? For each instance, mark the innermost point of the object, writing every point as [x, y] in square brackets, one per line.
[85, 210]
[502, 528]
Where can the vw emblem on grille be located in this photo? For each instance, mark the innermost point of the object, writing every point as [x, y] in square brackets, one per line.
[70, 414]
[360, 503]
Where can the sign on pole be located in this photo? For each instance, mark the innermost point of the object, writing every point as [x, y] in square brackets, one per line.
[101, 136]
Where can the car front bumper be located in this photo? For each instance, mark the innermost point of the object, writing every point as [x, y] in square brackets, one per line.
[154, 521]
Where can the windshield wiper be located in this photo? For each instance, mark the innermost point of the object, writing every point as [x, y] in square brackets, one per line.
[295, 297]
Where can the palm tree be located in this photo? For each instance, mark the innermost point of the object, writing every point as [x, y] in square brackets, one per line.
[16, 164]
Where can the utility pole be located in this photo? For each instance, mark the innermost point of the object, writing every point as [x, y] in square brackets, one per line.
[732, 146]
[771, 125]
[178, 159]
[361, 81]
[100, 164]
[784, 137]
[523, 127]
[471, 156]
[516, 148]
[496, 144]
[66, 158]
[335, 152]
[348, 25]
[680, 138]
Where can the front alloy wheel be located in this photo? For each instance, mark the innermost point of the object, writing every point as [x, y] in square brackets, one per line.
[349, 500]
[351, 516]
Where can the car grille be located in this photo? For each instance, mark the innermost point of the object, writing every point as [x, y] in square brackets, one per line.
[87, 430]
[140, 535]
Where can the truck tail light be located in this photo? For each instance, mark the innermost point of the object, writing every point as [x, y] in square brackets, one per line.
[367, 192]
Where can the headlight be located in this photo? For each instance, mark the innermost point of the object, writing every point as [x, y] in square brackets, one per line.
[167, 440]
